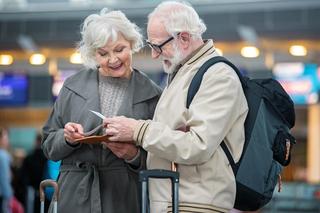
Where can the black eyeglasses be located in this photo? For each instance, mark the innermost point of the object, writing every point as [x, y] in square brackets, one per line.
[157, 47]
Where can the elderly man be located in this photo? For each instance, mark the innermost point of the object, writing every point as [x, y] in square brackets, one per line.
[189, 137]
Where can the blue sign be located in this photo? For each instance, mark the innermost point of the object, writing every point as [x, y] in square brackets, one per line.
[301, 81]
[13, 89]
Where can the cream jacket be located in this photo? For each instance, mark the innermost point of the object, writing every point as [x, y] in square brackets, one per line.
[217, 113]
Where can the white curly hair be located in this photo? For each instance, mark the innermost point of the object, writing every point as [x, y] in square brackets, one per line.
[179, 16]
[97, 29]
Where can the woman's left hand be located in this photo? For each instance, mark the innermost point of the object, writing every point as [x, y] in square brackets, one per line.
[125, 151]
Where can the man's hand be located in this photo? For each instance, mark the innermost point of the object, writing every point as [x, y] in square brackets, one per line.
[125, 151]
[73, 131]
[120, 128]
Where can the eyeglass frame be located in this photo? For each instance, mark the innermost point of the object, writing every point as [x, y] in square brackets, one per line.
[159, 46]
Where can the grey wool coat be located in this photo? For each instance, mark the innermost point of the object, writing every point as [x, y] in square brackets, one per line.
[92, 179]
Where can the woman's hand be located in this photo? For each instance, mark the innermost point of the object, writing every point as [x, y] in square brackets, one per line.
[73, 131]
[126, 151]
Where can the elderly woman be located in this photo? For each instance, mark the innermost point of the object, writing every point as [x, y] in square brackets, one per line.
[100, 177]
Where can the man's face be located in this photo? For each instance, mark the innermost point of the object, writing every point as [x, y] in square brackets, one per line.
[168, 47]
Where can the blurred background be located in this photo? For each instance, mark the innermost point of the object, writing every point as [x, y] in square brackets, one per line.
[264, 38]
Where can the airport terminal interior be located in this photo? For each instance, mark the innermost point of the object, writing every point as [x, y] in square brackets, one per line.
[263, 38]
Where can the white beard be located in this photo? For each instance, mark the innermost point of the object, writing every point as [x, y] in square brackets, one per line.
[175, 60]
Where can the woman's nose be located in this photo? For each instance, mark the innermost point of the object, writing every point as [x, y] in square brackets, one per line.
[113, 58]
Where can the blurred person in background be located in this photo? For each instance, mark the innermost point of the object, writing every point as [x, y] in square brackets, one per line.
[18, 155]
[6, 193]
[32, 173]
[94, 177]
[8, 201]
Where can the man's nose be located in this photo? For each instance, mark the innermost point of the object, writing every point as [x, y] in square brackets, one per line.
[154, 54]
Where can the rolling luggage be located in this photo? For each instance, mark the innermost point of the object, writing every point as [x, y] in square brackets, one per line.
[43, 185]
[144, 176]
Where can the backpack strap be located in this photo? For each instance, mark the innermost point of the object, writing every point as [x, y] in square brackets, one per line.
[196, 81]
[233, 165]
[195, 85]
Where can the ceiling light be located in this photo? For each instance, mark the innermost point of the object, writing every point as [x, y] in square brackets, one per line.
[250, 52]
[6, 59]
[75, 58]
[37, 59]
[298, 50]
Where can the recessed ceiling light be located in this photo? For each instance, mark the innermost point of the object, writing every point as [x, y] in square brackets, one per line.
[6, 59]
[75, 58]
[250, 52]
[37, 59]
[298, 50]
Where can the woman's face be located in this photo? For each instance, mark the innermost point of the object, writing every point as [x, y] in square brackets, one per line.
[115, 58]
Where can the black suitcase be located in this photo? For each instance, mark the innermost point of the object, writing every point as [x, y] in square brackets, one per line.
[144, 176]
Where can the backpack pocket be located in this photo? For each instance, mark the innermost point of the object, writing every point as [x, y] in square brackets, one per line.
[282, 146]
[272, 180]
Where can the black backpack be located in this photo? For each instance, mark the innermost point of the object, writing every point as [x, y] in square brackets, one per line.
[268, 141]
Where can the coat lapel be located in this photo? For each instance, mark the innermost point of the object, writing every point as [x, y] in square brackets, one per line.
[89, 91]
[125, 108]
[139, 90]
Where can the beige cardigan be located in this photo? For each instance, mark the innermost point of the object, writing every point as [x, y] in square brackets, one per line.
[217, 113]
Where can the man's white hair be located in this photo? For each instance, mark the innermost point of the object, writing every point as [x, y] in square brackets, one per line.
[179, 17]
[98, 29]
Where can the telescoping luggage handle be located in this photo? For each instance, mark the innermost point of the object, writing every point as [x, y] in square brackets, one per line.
[144, 175]
[43, 185]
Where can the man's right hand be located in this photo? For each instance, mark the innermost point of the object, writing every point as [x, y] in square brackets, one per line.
[120, 128]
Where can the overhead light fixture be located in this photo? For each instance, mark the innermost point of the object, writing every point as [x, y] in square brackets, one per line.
[75, 58]
[6, 59]
[219, 51]
[250, 52]
[298, 50]
[37, 59]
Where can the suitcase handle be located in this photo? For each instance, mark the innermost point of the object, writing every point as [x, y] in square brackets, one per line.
[42, 186]
[144, 175]
[158, 173]
[51, 183]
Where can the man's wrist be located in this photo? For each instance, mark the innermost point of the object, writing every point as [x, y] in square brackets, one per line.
[140, 131]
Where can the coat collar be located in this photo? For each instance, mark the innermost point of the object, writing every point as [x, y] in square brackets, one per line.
[84, 84]
[142, 88]
[207, 49]
[139, 89]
